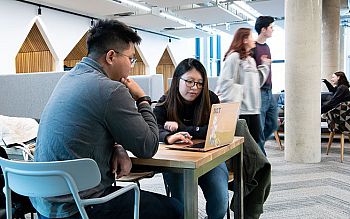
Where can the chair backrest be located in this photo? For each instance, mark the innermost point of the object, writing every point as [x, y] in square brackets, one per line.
[48, 179]
[338, 118]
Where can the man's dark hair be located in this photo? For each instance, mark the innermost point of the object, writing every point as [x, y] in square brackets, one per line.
[263, 21]
[110, 34]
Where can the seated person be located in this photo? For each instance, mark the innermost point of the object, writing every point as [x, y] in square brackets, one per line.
[339, 86]
[280, 103]
[87, 116]
[182, 114]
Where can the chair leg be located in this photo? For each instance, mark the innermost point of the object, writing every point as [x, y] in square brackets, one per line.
[342, 147]
[228, 216]
[331, 136]
[167, 189]
[277, 137]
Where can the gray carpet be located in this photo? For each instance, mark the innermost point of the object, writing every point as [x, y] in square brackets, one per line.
[309, 191]
[319, 190]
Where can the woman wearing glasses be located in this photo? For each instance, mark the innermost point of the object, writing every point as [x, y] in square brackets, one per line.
[183, 113]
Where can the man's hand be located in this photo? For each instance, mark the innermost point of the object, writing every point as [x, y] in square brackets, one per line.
[265, 60]
[134, 89]
[121, 163]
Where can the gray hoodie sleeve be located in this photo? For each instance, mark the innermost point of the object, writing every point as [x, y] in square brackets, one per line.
[229, 76]
[264, 70]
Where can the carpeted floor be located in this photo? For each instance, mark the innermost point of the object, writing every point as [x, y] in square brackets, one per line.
[319, 190]
[304, 191]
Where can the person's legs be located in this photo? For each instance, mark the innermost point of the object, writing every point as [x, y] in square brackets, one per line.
[152, 205]
[254, 126]
[263, 111]
[76, 216]
[271, 116]
[214, 185]
[174, 181]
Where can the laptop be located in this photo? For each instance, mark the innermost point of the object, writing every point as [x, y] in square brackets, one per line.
[221, 129]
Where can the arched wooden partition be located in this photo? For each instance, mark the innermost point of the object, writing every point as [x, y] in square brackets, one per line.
[165, 67]
[77, 53]
[139, 67]
[34, 55]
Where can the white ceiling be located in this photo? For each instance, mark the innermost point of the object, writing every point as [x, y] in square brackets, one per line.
[274, 8]
[172, 3]
[94, 8]
[199, 12]
[150, 22]
[208, 15]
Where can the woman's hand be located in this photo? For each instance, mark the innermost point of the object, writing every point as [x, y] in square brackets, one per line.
[183, 137]
[171, 126]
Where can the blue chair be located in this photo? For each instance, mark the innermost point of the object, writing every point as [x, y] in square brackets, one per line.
[48, 179]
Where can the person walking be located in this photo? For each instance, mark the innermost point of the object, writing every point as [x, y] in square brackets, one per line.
[269, 110]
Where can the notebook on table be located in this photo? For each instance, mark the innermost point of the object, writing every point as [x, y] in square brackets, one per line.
[221, 129]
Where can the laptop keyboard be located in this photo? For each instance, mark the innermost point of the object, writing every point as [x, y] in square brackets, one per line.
[198, 145]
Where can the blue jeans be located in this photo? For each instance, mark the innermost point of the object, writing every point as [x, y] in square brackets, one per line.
[214, 185]
[268, 116]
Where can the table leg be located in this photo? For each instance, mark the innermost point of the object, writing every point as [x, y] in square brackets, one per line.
[238, 186]
[190, 194]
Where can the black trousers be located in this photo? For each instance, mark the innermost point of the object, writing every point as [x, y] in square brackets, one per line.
[254, 125]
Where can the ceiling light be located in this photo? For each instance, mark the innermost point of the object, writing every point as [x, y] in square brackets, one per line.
[247, 8]
[176, 19]
[136, 5]
[228, 26]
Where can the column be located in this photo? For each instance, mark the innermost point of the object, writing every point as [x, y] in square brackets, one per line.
[347, 52]
[330, 39]
[342, 56]
[302, 102]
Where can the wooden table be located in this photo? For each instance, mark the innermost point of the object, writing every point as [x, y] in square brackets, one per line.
[195, 164]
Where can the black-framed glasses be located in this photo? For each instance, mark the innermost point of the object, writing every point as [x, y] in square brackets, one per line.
[190, 83]
[132, 59]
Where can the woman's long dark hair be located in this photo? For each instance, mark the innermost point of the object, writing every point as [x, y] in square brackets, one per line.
[342, 79]
[174, 102]
[238, 45]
